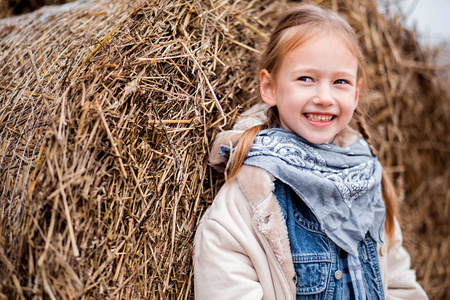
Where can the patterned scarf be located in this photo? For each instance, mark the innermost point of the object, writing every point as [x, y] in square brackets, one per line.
[342, 186]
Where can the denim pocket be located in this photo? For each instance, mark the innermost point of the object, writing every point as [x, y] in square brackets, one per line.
[312, 274]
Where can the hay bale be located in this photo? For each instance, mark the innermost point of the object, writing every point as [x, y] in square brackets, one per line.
[10, 8]
[106, 123]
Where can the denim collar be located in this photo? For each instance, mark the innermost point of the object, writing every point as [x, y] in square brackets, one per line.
[342, 186]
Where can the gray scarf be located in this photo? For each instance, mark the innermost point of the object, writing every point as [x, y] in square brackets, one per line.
[342, 186]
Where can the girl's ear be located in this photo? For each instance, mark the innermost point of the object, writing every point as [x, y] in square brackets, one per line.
[358, 90]
[267, 87]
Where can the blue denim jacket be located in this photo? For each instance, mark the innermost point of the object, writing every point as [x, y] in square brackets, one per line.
[316, 258]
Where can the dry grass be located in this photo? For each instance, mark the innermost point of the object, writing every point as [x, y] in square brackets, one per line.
[107, 113]
[9, 8]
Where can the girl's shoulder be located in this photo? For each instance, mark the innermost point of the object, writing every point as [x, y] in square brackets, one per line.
[240, 201]
[250, 186]
[256, 115]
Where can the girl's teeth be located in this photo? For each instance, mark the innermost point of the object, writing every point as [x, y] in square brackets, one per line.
[319, 118]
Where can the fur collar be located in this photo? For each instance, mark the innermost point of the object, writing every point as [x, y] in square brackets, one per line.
[257, 186]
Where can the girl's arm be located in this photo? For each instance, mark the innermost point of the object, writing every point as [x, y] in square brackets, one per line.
[222, 268]
[401, 280]
[241, 247]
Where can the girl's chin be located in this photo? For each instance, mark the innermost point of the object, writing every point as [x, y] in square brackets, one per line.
[318, 140]
[312, 137]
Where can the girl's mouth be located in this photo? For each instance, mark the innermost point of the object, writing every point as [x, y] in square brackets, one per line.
[319, 117]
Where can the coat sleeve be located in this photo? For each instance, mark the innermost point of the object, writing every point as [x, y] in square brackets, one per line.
[222, 269]
[401, 280]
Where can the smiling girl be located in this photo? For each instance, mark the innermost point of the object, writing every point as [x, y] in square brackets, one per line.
[307, 211]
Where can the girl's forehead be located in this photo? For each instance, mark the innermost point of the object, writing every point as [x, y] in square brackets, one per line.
[295, 37]
[324, 54]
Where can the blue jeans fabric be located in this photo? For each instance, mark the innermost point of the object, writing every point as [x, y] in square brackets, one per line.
[317, 259]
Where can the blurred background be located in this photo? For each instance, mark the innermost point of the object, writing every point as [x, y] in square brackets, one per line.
[430, 19]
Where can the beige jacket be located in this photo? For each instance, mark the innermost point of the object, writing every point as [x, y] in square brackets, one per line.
[241, 247]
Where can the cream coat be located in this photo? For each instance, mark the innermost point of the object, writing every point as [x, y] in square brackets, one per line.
[241, 247]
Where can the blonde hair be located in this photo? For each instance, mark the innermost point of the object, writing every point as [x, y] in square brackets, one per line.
[300, 25]
[295, 28]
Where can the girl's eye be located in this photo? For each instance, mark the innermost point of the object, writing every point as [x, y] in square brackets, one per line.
[341, 81]
[305, 78]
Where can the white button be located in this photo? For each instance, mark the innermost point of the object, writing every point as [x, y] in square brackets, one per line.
[383, 250]
[338, 275]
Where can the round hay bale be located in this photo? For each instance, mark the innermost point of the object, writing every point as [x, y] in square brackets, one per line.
[9, 8]
[107, 113]
[17, 7]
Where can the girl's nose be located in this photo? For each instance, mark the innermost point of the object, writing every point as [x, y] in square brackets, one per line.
[323, 96]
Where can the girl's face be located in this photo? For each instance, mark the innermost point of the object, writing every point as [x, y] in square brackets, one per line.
[316, 88]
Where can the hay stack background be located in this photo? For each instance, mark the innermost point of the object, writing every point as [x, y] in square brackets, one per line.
[10, 8]
[107, 113]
